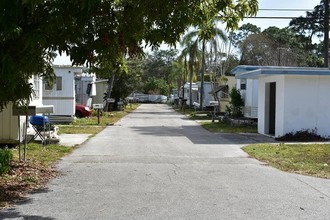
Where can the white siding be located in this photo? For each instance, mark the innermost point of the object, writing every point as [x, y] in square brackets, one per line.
[9, 128]
[250, 97]
[9, 131]
[81, 85]
[307, 104]
[62, 96]
[301, 103]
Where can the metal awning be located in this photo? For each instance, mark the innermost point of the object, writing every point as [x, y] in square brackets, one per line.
[33, 110]
[218, 89]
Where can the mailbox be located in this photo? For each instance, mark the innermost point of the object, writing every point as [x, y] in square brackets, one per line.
[97, 106]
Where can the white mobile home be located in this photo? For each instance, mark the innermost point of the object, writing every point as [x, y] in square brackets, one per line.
[292, 99]
[207, 96]
[249, 91]
[85, 88]
[62, 93]
[12, 125]
[184, 93]
[101, 87]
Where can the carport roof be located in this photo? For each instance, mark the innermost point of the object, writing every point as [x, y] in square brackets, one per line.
[254, 72]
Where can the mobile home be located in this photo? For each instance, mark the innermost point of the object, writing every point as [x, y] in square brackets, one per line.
[292, 99]
[62, 93]
[13, 122]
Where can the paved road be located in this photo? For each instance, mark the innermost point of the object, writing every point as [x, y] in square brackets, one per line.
[155, 164]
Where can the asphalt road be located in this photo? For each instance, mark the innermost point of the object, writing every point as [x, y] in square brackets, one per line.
[156, 164]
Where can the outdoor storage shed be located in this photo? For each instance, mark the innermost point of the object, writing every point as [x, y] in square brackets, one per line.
[292, 99]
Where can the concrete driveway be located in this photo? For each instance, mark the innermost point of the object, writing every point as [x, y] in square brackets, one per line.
[156, 164]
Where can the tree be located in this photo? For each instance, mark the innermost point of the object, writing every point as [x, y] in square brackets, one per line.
[178, 75]
[91, 32]
[238, 37]
[275, 47]
[207, 32]
[157, 86]
[191, 53]
[308, 27]
[159, 65]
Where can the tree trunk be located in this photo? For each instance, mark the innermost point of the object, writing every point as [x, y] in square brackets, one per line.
[110, 86]
[190, 85]
[326, 33]
[202, 76]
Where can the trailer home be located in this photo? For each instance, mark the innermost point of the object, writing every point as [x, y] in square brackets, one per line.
[13, 122]
[62, 93]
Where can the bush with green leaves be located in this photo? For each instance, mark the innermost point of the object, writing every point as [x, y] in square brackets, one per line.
[5, 158]
[236, 103]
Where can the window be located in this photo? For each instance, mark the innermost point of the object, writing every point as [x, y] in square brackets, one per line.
[58, 83]
[36, 88]
[243, 84]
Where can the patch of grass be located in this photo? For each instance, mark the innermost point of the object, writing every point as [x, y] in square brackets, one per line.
[106, 118]
[307, 159]
[222, 127]
[76, 129]
[90, 125]
[188, 111]
[46, 154]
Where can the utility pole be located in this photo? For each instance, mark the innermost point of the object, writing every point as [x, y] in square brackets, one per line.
[326, 33]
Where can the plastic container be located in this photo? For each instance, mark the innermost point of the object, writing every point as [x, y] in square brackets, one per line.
[38, 120]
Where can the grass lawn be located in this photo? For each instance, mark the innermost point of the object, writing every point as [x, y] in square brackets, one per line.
[187, 111]
[307, 159]
[76, 129]
[219, 127]
[227, 128]
[90, 125]
[47, 154]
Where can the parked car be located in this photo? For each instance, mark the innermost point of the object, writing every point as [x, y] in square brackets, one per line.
[82, 111]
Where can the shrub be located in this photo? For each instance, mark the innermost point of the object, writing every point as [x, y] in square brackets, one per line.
[236, 103]
[5, 159]
[303, 135]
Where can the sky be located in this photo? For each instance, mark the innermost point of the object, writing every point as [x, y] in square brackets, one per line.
[280, 4]
[262, 23]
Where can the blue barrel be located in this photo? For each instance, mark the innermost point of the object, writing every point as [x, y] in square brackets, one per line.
[38, 120]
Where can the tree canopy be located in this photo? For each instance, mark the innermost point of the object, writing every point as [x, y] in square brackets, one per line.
[91, 31]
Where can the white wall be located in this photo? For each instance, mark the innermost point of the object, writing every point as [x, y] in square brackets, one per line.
[9, 128]
[186, 93]
[64, 99]
[9, 131]
[307, 104]
[263, 101]
[207, 97]
[37, 86]
[101, 88]
[301, 103]
[81, 85]
[250, 96]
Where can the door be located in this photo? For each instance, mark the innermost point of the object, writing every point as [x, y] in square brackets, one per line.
[272, 107]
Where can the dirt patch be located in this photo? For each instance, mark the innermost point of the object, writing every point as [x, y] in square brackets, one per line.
[24, 177]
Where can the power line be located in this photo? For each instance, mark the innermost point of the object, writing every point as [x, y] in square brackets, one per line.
[274, 17]
[284, 9]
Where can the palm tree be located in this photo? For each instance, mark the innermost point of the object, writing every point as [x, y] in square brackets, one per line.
[190, 53]
[206, 33]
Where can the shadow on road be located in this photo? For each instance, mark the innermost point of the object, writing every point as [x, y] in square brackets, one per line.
[198, 135]
[17, 215]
